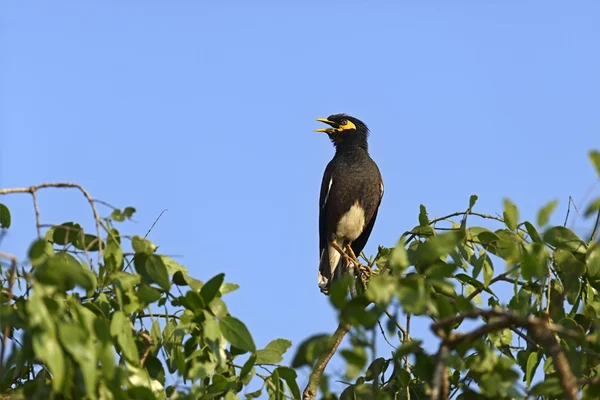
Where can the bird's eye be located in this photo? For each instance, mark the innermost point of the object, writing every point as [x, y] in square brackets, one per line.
[343, 122]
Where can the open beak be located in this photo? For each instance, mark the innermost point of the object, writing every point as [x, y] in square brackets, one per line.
[329, 131]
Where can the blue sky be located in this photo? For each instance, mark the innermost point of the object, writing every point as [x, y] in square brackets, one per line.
[208, 111]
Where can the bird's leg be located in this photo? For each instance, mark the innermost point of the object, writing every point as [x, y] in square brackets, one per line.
[363, 268]
[336, 246]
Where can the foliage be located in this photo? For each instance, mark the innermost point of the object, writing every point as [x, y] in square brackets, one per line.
[126, 328]
[135, 324]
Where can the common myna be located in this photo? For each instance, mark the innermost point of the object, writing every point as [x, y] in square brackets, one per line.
[351, 192]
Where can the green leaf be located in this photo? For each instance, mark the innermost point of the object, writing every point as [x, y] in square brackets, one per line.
[273, 352]
[511, 214]
[532, 363]
[289, 376]
[148, 294]
[563, 238]
[436, 247]
[412, 346]
[501, 337]
[47, 349]
[413, 295]
[228, 287]
[488, 270]
[64, 272]
[211, 327]
[472, 200]
[254, 395]
[173, 266]
[247, 367]
[338, 291]
[4, 217]
[113, 256]
[141, 245]
[236, 333]
[77, 341]
[152, 269]
[87, 242]
[381, 289]
[375, 369]
[39, 252]
[121, 330]
[595, 159]
[592, 260]
[567, 262]
[592, 208]
[545, 212]
[211, 288]
[535, 262]
[218, 307]
[533, 233]
[398, 257]
[120, 216]
[550, 387]
[66, 233]
[183, 279]
[423, 219]
[309, 350]
[356, 360]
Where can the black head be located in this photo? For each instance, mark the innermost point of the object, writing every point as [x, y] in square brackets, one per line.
[345, 130]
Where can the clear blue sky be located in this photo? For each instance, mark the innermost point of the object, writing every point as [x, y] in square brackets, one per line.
[209, 110]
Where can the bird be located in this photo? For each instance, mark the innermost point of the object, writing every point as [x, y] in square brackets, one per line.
[351, 193]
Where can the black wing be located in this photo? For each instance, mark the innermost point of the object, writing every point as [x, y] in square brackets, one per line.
[324, 197]
[359, 244]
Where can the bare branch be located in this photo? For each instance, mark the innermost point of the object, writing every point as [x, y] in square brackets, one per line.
[33, 189]
[154, 223]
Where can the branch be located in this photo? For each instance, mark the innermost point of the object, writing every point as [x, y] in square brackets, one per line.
[33, 191]
[538, 328]
[315, 376]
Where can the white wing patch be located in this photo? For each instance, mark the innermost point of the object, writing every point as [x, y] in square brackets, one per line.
[327, 194]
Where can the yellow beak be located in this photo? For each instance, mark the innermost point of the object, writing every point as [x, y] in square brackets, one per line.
[328, 122]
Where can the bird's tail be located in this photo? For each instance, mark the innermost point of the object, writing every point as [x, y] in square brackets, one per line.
[330, 267]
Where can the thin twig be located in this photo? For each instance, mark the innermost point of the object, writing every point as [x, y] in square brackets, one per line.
[525, 337]
[104, 203]
[384, 336]
[406, 365]
[501, 277]
[154, 223]
[568, 211]
[36, 208]
[334, 341]
[391, 317]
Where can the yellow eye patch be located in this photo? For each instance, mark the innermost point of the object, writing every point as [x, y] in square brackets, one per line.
[346, 125]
